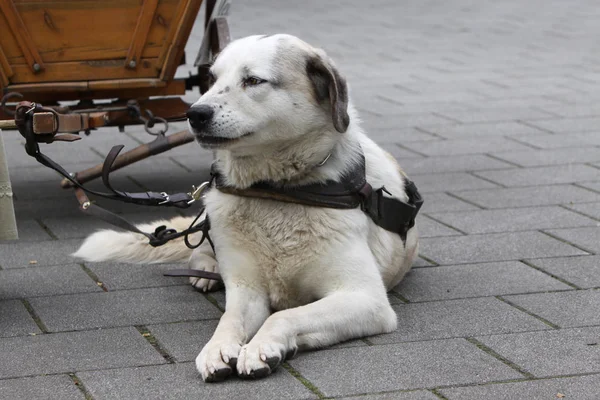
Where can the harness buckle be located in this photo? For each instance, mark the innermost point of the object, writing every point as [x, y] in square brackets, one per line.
[196, 193]
[166, 196]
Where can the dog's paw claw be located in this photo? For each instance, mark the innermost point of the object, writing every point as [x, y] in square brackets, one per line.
[203, 262]
[217, 361]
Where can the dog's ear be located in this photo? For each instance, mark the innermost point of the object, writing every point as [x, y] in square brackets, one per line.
[329, 84]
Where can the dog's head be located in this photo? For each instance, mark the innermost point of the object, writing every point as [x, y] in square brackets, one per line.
[269, 89]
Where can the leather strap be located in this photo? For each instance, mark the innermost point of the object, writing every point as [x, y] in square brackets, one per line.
[350, 192]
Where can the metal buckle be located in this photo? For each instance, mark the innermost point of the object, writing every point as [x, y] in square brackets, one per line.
[166, 196]
[196, 193]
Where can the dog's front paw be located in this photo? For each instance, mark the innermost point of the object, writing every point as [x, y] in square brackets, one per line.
[216, 361]
[259, 359]
[204, 262]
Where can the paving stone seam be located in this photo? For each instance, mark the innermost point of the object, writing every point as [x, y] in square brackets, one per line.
[532, 379]
[542, 319]
[489, 296]
[409, 150]
[93, 277]
[438, 394]
[88, 370]
[514, 139]
[155, 343]
[450, 119]
[578, 185]
[36, 318]
[566, 241]
[565, 206]
[558, 278]
[499, 357]
[46, 229]
[423, 130]
[453, 195]
[308, 384]
[497, 158]
[79, 384]
[446, 225]
[504, 260]
[500, 185]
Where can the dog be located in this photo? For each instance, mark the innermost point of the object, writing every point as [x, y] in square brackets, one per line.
[296, 276]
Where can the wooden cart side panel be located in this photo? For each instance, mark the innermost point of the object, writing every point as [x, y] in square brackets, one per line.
[5, 71]
[72, 31]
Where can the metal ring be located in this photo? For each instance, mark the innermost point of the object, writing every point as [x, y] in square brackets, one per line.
[152, 122]
[5, 99]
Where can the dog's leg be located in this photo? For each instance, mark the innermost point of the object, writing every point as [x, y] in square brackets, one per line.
[340, 316]
[203, 259]
[246, 310]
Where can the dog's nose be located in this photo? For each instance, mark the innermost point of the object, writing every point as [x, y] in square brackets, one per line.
[200, 115]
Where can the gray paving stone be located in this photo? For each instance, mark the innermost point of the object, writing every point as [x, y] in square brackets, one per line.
[572, 110]
[403, 121]
[591, 185]
[512, 220]
[55, 387]
[413, 395]
[50, 252]
[184, 340]
[541, 175]
[100, 310]
[477, 131]
[495, 115]
[582, 271]
[569, 125]
[489, 279]
[400, 366]
[587, 238]
[566, 309]
[45, 281]
[436, 202]
[15, 320]
[571, 140]
[402, 155]
[527, 196]
[450, 182]
[534, 158]
[431, 228]
[457, 318]
[591, 209]
[401, 135]
[579, 387]
[494, 247]
[181, 381]
[465, 146]
[117, 276]
[29, 231]
[550, 353]
[464, 163]
[75, 351]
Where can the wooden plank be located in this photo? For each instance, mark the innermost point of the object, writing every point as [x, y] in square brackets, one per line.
[19, 31]
[5, 70]
[85, 71]
[141, 33]
[177, 47]
[110, 89]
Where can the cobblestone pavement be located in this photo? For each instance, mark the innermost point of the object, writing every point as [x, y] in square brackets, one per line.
[492, 107]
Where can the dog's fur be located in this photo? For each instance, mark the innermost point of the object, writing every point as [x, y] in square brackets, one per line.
[295, 276]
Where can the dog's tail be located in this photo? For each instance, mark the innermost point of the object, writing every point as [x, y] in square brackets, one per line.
[109, 245]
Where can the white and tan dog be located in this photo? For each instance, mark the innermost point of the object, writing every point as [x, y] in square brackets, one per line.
[296, 277]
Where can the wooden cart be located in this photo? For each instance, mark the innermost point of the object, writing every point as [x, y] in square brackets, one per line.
[116, 58]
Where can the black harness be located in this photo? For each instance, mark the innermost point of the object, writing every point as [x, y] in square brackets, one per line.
[352, 191]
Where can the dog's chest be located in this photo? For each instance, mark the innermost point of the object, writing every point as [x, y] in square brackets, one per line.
[287, 242]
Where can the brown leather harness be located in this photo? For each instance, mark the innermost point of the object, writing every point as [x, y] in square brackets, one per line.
[350, 192]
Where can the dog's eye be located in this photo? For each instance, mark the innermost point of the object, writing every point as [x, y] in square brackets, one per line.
[252, 81]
